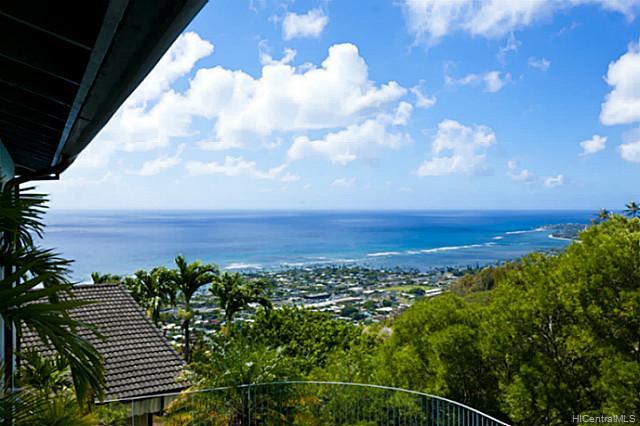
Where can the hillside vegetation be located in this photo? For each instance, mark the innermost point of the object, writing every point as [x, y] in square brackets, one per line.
[534, 342]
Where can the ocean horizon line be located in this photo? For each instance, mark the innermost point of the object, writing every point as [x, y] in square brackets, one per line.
[336, 210]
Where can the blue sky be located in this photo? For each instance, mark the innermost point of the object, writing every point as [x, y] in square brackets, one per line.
[414, 104]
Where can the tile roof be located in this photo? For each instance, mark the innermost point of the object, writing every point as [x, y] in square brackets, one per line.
[138, 359]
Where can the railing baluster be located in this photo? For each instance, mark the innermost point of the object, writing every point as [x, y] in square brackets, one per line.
[431, 411]
[445, 413]
[328, 402]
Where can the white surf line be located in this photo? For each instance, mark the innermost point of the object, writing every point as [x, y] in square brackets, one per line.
[428, 251]
[525, 231]
[240, 265]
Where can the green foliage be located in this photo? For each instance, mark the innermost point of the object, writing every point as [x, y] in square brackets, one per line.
[356, 364]
[152, 290]
[24, 305]
[161, 287]
[99, 278]
[235, 292]
[113, 414]
[46, 396]
[573, 343]
[435, 348]
[227, 362]
[236, 361]
[483, 280]
[417, 291]
[533, 342]
[21, 217]
[632, 209]
[17, 407]
[34, 292]
[188, 278]
[49, 375]
[602, 216]
[184, 281]
[59, 410]
[349, 310]
[307, 337]
[556, 336]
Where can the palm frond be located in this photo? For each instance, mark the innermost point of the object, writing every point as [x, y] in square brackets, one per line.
[25, 305]
[34, 292]
[21, 217]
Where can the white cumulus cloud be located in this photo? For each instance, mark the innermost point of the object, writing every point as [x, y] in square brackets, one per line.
[423, 100]
[136, 126]
[347, 145]
[309, 24]
[542, 64]
[287, 99]
[622, 104]
[281, 103]
[458, 149]
[238, 166]
[591, 146]
[176, 62]
[161, 164]
[401, 115]
[495, 80]
[344, 182]
[266, 58]
[349, 115]
[492, 81]
[517, 174]
[629, 150]
[512, 45]
[554, 181]
[430, 20]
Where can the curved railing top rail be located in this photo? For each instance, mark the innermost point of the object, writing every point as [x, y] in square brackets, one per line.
[308, 382]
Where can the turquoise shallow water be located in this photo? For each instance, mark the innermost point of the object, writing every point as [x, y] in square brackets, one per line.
[124, 241]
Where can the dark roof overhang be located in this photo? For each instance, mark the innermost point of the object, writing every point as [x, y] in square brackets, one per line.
[66, 67]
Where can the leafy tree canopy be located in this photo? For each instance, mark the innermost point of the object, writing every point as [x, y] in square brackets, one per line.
[305, 335]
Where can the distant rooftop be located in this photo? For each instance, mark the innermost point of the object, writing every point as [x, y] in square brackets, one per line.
[139, 361]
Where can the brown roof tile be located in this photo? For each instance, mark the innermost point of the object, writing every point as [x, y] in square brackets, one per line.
[138, 360]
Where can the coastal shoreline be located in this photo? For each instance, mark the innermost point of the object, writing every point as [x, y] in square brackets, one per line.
[124, 242]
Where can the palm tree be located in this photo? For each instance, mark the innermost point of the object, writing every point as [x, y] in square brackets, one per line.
[186, 280]
[632, 209]
[152, 290]
[99, 278]
[235, 292]
[34, 293]
[602, 216]
[45, 380]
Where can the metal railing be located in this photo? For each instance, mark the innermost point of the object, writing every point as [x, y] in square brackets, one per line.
[317, 403]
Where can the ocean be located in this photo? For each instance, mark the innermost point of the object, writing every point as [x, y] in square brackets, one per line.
[122, 242]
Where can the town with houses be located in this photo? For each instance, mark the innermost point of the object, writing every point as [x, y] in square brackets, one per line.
[350, 293]
[357, 294]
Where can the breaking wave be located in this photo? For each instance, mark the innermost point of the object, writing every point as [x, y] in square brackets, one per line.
[427, 251]
[239, 265]
[525, 231]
